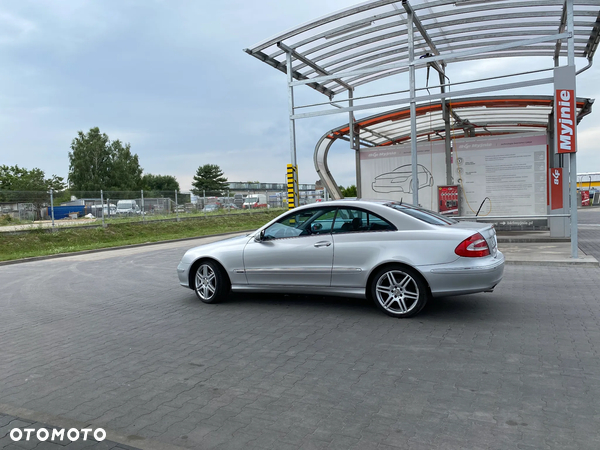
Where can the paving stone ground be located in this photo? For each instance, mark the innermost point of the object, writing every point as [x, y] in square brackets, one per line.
[28, 439]
[111, 340]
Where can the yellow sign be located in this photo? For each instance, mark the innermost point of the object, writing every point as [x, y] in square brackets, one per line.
[292, 186]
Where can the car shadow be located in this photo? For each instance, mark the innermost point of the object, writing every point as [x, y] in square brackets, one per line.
[301, 301]
[463, 307]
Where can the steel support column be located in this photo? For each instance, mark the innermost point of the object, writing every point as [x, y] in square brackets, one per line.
[447, 132]
[288, 58]
[354, 142]
[572, 156]
[413, 109]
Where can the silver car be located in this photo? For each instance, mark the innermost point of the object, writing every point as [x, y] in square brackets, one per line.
[398, 255]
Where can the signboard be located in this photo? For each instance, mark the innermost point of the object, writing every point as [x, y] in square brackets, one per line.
[585, 198]
[508, 173]
[292, 186]
[386, 172]
[556, 188]
[564, 107]
[511, 172]
[565, 121]
[448, 199]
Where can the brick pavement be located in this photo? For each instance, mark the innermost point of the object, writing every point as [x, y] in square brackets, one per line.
[113, 341]
[29, 440]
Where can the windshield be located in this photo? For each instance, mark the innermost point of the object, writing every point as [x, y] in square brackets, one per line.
[251, 199]
[422, 214]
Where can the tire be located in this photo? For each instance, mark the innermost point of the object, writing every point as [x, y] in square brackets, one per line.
[211, 284]
[399, 291]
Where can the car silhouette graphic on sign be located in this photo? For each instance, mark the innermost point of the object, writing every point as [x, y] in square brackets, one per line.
[400, 179]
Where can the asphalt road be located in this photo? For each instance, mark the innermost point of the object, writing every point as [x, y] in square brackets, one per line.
[111, 340]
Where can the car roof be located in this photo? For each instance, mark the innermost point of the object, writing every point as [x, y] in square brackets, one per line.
[349, 202]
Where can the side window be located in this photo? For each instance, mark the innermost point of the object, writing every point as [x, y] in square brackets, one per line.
[356, 220]
[302, 223]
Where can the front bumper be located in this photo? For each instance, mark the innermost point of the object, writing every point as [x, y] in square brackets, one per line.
[183, 272]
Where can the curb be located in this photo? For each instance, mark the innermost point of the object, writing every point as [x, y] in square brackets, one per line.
[565, 263]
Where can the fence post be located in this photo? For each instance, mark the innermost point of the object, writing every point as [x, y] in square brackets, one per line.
[143, 218]
[52, 206]
[102, 206]
[203, 198]
[176, 206]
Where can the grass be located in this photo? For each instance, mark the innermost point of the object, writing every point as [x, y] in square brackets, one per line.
[39, 242]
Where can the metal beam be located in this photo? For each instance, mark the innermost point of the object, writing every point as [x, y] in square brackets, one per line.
[585, 110]
[561, 28]
[417, 23]
[295, 74]
[311, 64]
[375, 133]
[423, 62]
[592, 45]
[454, 94]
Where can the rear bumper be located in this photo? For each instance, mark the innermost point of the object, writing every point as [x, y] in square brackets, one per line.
[465, 276]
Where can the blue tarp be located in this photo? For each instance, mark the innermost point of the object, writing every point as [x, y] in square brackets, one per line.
[63, 212]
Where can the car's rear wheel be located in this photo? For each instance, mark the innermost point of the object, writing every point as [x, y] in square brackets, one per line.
[210, 282]
[399, 291]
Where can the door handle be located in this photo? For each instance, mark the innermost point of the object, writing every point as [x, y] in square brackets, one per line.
[322, 244]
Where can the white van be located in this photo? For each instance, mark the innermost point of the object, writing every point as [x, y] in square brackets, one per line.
[127, 207]
[98, 210]
[255, 201]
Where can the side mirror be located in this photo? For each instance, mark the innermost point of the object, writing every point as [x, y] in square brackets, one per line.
[261, 236]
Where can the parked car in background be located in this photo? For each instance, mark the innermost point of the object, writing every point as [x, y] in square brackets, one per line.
[213, 207]
[396, 254]
[98, 210]
[255, 201]
[127, 208]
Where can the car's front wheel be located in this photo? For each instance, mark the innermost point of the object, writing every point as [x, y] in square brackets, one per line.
[399, 291]
[210, 282]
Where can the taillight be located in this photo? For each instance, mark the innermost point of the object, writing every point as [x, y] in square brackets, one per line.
[473, 247]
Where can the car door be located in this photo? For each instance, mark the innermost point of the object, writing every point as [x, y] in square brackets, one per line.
[297, 250]
[360, 238]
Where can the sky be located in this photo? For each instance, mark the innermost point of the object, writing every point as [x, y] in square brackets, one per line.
[170, 77]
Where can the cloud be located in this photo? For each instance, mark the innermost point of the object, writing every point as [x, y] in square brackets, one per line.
[171, 79]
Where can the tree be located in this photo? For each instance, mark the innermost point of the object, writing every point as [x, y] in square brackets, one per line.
[97, 163]
[209, 180]
[160, 182]
[18, 184]
[15, 178]
[350, 191]
[126, 173]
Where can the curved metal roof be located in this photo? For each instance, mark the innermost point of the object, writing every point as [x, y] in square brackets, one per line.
[369, 41]
[481, 116]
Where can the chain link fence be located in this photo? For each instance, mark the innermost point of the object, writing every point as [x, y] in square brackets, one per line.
[70, 208]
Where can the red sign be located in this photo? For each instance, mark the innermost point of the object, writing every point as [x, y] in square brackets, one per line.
[585, 198]
[564, 111]
[556, 188]
[448, 200]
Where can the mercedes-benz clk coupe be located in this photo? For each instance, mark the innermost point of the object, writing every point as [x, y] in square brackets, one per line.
[396, 254]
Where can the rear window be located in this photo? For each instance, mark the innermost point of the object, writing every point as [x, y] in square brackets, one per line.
[423, 214]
